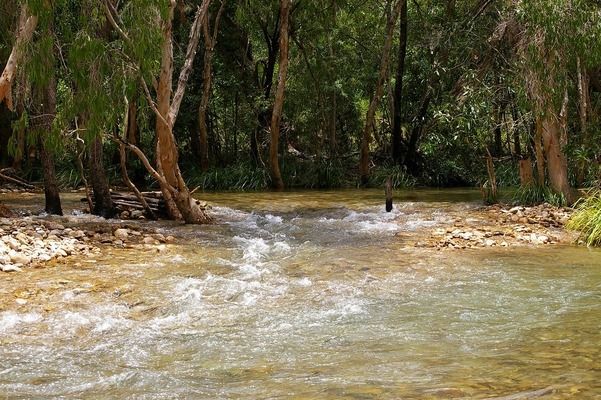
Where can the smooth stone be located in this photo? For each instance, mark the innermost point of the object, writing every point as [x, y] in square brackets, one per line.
[10, 268]
[121, 233]
[20, 259]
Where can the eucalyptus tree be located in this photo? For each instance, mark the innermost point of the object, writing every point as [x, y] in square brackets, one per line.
[134, 49]
[558, 44]
[37, 72]
[26, 26]
[276, 115]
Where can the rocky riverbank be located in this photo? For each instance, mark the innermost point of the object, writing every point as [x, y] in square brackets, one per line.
[34, 241]
[503, 226]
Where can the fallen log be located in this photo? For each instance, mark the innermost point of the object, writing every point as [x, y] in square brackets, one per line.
[7, 174]
[127, 202]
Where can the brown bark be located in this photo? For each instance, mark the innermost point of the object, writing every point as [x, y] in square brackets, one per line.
[48, 111]
[133, 134]
[180, 204]
[103, 205]
[332, 116]
[375, 101]
[265, 83]
[583, 112]
[538, 151]
[51, 191]
[276, 116]
[491, 190]
[397, 139]
[556, 160]
[27, 25]
[207, 77]
[526, 174]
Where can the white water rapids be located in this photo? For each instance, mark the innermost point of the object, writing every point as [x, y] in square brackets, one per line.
[308, 295]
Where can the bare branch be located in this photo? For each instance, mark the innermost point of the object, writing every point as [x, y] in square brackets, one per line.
[190, 55]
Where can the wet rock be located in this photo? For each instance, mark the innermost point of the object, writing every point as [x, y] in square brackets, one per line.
[137, 214]
[149, 240]
[159, 237]
[121, 233]
[77, 234]
[10, 268]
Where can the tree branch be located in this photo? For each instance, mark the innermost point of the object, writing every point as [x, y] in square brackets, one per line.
[189, 61]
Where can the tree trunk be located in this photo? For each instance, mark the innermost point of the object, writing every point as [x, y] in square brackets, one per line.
[517, 148]
[526, 174]
[207, 74]
[375, 101]
[397, 139]
[51, 191]
[498, 132]
[276, 115]
[332, 116]
[27, 25]
[180, 204]
[556, 160]
[265, 83]
[416, 132]
[583, 111]
[48, 111]
[103, 205]
[538, 151]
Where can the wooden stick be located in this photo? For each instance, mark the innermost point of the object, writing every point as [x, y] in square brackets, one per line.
[388, 190]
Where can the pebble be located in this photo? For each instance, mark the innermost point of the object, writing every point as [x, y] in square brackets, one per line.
[28, 241]
[121, 233]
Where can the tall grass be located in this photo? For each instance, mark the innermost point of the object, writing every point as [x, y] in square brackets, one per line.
[242, 177]
[535, 194]
[587, 218]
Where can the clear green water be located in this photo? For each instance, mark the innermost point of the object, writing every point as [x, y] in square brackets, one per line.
[309, 295]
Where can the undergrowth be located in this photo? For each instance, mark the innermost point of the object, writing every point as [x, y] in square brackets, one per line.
[535, 194]
[587, 218]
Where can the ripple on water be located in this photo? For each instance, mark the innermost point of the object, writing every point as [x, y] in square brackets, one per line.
[316, 302]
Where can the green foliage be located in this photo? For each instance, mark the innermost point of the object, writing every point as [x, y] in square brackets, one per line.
[507, 173]
[587, 218]
[536, 194]
[399, 176]
[240, 177]
[314, 174]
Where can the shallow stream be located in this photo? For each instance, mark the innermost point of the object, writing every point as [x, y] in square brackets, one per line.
[307, 295]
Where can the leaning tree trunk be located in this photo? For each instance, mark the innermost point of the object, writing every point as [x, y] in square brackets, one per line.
[375, 101]
[27, 25]
[103, 204]
[180, 204]
[179, 201]
[397, 139]
[276, 116]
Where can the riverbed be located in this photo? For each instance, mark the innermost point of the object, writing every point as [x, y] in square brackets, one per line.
[306, 295]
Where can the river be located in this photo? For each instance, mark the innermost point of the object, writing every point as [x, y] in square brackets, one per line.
[306, 295]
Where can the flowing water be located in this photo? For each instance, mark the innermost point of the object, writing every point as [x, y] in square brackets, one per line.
[309, 295]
